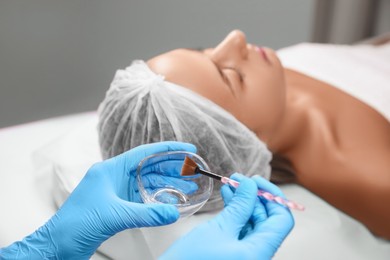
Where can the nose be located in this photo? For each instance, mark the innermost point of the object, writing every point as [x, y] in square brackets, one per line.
[232, 48]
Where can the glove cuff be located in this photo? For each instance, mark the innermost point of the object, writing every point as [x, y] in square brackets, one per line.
[35, 246]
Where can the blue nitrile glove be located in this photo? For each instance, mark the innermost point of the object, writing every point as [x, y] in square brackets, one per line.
[98, 208]
[152, 179]
[247, 228]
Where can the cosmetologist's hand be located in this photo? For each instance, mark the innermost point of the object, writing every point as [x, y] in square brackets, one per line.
[98, 208]
[247, 228]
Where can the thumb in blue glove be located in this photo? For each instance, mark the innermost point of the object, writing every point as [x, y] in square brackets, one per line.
[247, 228]
[98, 208]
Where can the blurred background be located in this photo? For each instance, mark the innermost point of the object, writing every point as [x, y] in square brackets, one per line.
[58, 57]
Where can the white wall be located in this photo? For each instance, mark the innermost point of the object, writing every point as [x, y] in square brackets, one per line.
[59, 56]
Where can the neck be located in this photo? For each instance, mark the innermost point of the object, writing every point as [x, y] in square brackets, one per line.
[293, 126]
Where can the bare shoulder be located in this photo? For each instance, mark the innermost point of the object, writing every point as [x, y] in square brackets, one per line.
[347, 153]
[351, 172]
[344, 135]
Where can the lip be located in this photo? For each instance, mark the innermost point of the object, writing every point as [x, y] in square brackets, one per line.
[262, 53]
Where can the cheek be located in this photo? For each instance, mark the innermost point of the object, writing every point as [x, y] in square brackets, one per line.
[262, 107]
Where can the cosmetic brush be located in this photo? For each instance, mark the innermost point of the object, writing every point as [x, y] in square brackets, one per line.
[190, 168]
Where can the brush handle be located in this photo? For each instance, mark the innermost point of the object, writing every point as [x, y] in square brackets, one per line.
[266, 195]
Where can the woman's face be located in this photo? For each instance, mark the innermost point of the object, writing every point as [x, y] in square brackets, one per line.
[244, 79]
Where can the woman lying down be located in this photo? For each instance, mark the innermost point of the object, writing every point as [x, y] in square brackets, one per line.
[322, 111]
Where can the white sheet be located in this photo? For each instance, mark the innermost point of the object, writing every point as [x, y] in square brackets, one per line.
[362, 71]
[30, 172]
[25, 195]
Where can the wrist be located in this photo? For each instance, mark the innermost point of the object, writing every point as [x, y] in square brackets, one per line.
[35, 246]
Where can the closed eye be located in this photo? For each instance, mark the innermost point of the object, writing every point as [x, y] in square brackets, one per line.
[220, 71]
[239, 74]
[224, 77]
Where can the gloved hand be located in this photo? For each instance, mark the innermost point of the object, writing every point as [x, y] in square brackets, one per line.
[247, 228]
[99, 207]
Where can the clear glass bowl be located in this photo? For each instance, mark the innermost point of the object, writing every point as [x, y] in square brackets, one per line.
[159, 181]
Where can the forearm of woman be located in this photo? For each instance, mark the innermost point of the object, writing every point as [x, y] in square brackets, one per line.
[358, 189]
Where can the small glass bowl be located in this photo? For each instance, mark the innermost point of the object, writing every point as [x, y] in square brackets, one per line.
[159, 181]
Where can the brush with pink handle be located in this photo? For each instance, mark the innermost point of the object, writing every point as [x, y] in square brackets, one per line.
[190, 168]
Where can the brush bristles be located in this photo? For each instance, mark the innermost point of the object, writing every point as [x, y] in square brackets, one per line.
[189, 167]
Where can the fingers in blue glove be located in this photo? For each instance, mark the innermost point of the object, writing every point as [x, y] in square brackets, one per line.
[169, 167]
[259, 212]
[237, 237]
[132, 158]
[227, 194]
[238, 211]
[265, 185]
[280, 219]
[155, 181]
[135, 215]
[163, 174]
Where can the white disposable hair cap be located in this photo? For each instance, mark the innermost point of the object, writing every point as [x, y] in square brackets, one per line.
[141, 107]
